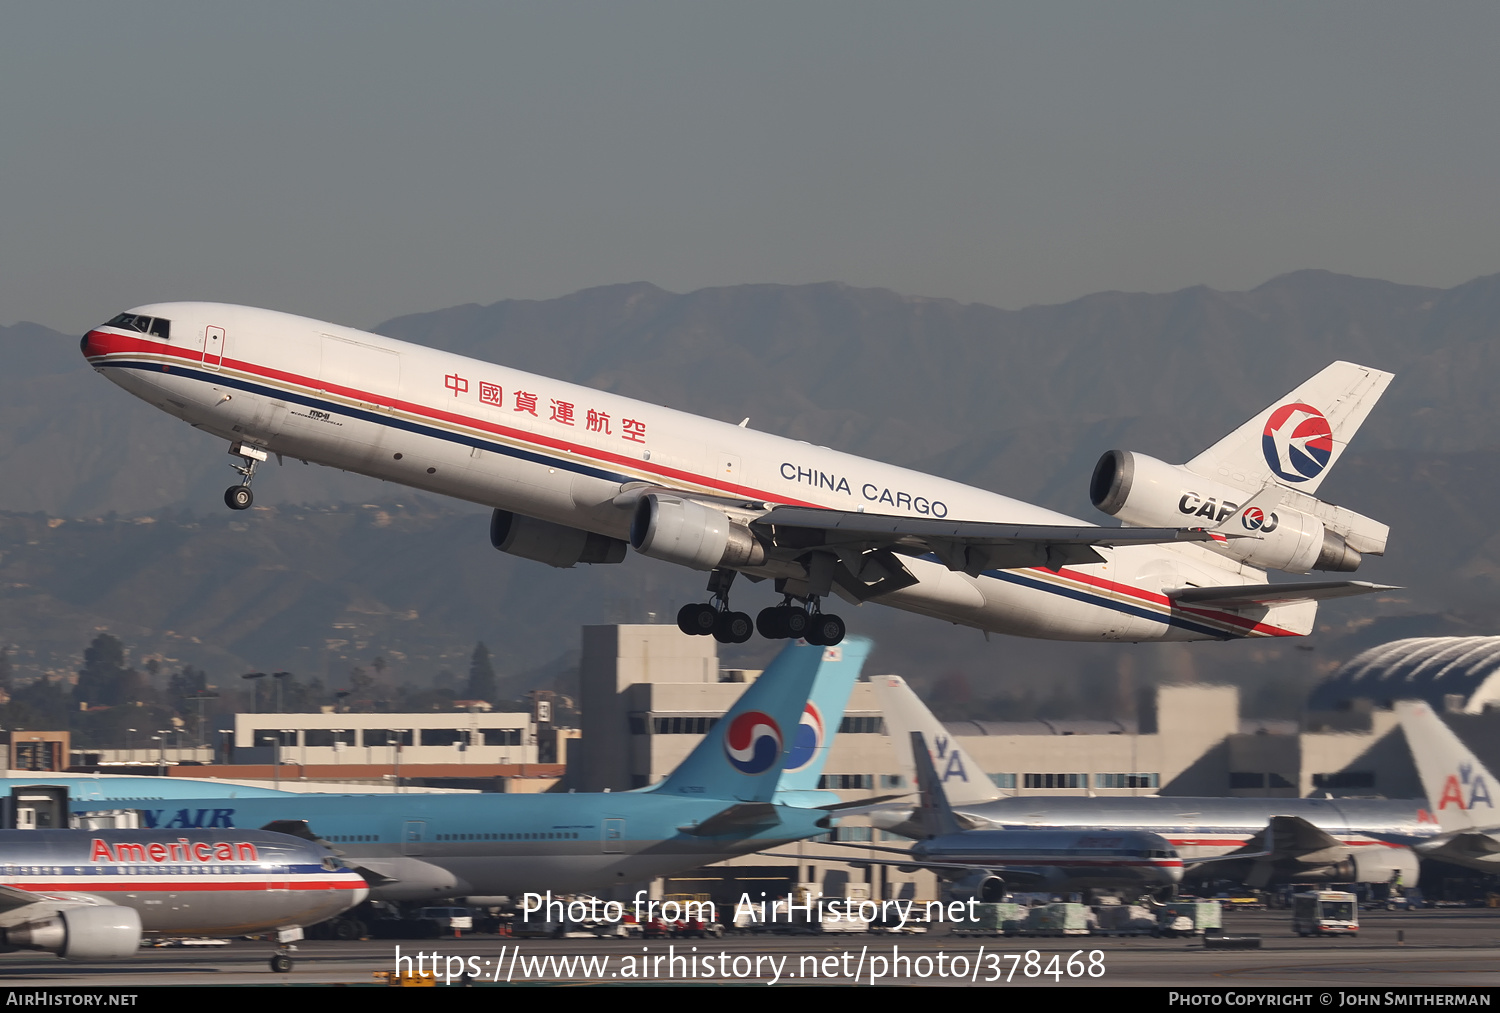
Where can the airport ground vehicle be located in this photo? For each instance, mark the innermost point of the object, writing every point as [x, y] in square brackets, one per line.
[1325, 913]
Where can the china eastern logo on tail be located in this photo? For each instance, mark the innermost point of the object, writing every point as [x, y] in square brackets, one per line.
[1453, 790]
[1297, 442]
[753, 742]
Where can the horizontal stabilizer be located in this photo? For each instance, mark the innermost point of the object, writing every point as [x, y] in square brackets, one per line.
[1243, 596]
[293, 828]
[746, 816]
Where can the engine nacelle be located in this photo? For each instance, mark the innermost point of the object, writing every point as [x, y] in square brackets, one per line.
[689, 533]
[1145, 492]
[81, 933]
[551, 543]
[983, 887]
[1376, 864]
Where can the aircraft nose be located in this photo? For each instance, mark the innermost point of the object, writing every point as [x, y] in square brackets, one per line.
[92, 344]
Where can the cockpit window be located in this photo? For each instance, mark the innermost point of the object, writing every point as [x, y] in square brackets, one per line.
[146, 325]
[131, 322]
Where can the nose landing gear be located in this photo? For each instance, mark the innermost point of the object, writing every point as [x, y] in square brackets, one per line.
[239, 497]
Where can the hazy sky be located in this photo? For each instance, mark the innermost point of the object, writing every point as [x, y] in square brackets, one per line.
[359, 160]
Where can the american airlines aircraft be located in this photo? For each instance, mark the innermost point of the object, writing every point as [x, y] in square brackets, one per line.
[985, 863]
[579, 476]
[90, 894]
[1459, 787]
[1259, 841]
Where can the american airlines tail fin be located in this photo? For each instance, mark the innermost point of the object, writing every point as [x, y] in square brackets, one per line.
[742, 757]
[1296, 440]
[963, 781]
[837, 673]
[934, 815]
[1458, 787]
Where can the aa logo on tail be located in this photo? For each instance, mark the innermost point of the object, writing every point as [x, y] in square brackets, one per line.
[1297, 442]
[1453, 790]
[954, 768]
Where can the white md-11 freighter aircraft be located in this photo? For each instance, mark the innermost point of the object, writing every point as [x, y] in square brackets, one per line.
[577, 475]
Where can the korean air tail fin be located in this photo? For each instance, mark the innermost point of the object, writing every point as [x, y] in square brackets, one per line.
[742, 757]
[838, 671]
[1458, 787]
[1298, 438]
[963, 781]
[934, 815]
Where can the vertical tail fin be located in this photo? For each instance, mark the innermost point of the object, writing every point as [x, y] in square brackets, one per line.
[1301, 436]
[962, 779]
[742, 756]
[934, 815]
[1458, 787]
[838, 671]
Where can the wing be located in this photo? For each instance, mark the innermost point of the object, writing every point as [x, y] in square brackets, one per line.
[867, 543]
[1015, 874]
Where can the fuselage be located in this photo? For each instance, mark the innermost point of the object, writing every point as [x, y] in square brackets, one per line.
[1062, 859]
[187, 882]
[428, 847]
[569, 455]
[1209, 827]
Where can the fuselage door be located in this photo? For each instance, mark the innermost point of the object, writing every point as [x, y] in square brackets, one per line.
[213, 347]
[413, 835]
[614, 836]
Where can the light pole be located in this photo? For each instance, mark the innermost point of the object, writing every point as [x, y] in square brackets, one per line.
[254, 690]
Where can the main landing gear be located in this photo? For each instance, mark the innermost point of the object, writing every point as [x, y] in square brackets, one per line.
[786, 621]
[714, 618]
[239, 497]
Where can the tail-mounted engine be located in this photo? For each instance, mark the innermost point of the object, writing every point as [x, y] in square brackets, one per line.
[1296, 533]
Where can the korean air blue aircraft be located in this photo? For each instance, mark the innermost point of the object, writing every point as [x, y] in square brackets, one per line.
[720, 802]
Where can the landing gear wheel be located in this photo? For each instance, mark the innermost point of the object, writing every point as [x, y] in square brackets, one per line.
[733, 627]
[281, 963]
[238, 497]
[794, 621]
[825, 630]
[768, 623]
[697, 619]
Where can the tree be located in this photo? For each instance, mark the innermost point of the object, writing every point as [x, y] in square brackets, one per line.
[481, 685]
[104, 681]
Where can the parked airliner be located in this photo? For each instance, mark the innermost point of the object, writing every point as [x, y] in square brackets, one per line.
[983, 864]
[721, 801]
[90, 894]
[1258, 841]
[576, 475]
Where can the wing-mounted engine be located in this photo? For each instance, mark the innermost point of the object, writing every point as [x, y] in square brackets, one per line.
[692, 534]
[984, 887]
[550, 543]
[77, 933]
[1274, 528]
